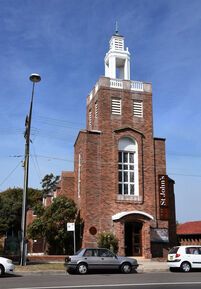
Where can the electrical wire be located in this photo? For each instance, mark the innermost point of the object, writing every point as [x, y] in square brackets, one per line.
[35, 162]
[56, 158]
[55, 120]
[185, 175]
[5, 179]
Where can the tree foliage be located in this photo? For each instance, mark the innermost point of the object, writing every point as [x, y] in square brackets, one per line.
[108, 240]
[51, 225]
[49, 184]
[11, 208]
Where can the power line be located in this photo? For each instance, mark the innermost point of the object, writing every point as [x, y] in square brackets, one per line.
[10, 173]
[183, 155]
[42, 156]
[185, 175]
[58, 120]
[55, 158]
[91, 161]
[36, 165]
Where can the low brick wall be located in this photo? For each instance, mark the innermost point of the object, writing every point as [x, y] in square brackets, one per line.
[38, 259]
[47, 259]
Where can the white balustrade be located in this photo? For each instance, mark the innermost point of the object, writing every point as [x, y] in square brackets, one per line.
[137, 85]
[116, 83]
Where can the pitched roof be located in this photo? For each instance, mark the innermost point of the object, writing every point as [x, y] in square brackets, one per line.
[189, 228]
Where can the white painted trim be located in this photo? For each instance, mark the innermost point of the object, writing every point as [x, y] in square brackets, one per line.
[123, 214]
[128, 144]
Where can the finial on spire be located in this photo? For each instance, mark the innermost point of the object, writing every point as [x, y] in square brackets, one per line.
[116, 28]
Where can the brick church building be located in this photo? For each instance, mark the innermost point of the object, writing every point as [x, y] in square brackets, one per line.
[119, 182]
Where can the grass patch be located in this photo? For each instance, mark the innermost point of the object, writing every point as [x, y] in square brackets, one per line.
[40, 267]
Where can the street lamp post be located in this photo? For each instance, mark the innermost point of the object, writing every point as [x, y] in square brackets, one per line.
[34, 78]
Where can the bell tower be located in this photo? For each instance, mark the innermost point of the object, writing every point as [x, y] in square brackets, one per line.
[118, 162]
[117, 59]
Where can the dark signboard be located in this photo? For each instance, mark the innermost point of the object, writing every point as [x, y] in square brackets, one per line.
[163, 197]
[159, 235]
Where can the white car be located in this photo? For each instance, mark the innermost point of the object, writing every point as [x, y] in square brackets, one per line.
[6, 266]
[184, 258]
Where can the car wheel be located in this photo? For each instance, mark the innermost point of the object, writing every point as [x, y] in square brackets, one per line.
[82, 268]
[126, 268]
[185, 266]
[1, 270]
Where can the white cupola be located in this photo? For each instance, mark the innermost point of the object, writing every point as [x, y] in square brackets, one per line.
[117, 60]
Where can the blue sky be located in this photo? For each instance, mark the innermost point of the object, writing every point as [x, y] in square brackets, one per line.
[65, 42]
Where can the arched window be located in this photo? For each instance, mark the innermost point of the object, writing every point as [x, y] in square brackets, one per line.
[128, 167]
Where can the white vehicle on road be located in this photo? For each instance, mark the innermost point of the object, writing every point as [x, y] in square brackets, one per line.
[184, 258]
[6, 266]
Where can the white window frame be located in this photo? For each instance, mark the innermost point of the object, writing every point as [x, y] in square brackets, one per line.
[128, 147]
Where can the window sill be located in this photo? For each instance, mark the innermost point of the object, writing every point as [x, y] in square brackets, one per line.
[129, 198]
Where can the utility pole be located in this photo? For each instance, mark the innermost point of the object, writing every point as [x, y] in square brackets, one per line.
[34, 78]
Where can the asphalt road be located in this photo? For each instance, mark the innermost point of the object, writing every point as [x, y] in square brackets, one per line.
[107, 281]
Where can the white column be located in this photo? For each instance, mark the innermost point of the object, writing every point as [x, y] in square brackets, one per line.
[127, 69]
[107, 71]
[112, 67]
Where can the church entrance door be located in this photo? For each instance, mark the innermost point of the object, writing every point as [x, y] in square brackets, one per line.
[133, 239]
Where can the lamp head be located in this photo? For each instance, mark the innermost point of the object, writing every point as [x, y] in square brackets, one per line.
[34, 77]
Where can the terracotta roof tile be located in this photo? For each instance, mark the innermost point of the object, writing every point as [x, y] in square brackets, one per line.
[189, 228]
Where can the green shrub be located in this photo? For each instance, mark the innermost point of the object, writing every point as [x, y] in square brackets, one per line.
[108, 240]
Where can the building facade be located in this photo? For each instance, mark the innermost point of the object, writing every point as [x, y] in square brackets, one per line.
[119, 181]
[189, 233]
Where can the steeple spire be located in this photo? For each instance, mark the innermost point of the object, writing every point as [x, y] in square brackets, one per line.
[117, 59]
[116, 28]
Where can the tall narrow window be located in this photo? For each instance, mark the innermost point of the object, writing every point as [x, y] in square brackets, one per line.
[138, 108]
[128, 167]
[90, 118]
[96, 110]
[116, 106]
[79, 176]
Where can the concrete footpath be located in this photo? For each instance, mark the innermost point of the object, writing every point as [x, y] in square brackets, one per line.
[152, 266]
[145, 266]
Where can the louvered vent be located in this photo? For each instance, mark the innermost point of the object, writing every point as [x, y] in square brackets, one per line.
[138, 108]
[116, 106]
[119, 44]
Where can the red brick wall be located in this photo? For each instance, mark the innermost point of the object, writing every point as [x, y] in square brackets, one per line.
[99, 186]
[98, 149]
[67, 184]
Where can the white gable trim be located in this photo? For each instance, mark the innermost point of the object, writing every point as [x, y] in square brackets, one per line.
[123, 214]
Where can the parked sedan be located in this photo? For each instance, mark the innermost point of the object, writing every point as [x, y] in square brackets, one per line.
[6, 266]
[98, 258]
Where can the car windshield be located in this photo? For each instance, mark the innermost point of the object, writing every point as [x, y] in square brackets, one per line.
[78, 252]
[173, 250]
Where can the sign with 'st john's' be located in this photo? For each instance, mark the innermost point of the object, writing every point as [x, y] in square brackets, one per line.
[163, 197]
